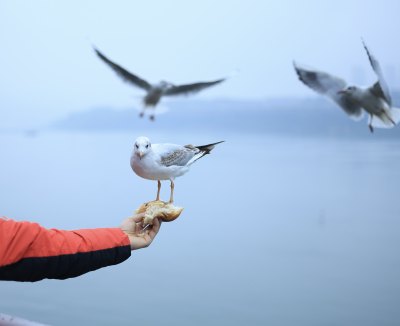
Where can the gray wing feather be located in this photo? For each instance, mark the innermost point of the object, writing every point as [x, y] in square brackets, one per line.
[380, 88]
[123, 73]
[191, 88]
[178, 156]
[377, 90]
[319, 81]
[329, 85]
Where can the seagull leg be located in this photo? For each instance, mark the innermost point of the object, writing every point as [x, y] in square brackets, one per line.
[171, 198]
[158, 190]
[152, 117]
[371, 129]
[141, 114]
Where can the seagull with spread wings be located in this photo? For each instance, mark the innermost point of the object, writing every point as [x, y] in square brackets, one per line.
[165, 161]
[154, 92]
[354, 100]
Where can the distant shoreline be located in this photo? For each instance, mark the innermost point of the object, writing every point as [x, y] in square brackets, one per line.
[292, 117]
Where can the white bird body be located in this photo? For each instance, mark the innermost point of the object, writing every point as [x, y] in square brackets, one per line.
[165, 161]
[381, 114]
[150, 167]
[375, 99]
[368, 101]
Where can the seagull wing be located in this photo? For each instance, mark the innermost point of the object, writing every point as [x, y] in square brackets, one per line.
[171, 154]
[380, 88]
[191, 88]
[328, 85]
[123, 73]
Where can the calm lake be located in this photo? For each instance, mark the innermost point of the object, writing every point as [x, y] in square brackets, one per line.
[276, 230]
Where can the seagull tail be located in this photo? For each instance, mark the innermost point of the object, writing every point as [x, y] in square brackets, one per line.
[388, 119]
[204, 150]
[395, 115]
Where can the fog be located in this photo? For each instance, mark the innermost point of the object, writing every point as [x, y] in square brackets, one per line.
[49, 68]
[294, 220]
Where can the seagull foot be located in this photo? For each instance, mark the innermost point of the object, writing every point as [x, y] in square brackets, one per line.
[164, 211]
[371, 129]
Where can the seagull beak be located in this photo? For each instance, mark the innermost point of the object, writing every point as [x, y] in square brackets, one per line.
[342, 91]
[141, 154]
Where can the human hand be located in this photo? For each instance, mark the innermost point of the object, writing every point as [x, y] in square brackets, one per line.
[133, 228]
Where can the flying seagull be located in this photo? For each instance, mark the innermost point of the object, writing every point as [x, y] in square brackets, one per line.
[165, 161]
[354, 100]
[154, 92]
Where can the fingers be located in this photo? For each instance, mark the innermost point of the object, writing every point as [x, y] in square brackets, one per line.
[155, 228]
[140, 238]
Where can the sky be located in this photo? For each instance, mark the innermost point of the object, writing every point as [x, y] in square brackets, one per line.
[48, 68]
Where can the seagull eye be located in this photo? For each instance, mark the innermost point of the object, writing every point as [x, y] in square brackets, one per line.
[147, 146]
[136, 145]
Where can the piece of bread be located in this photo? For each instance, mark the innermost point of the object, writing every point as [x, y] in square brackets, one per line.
[166, 212]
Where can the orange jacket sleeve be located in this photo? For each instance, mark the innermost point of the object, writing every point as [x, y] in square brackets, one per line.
[29, 252]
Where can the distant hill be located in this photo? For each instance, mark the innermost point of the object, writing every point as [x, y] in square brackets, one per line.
[303, 117]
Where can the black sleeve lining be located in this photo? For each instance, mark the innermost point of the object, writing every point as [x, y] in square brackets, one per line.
[63, 266]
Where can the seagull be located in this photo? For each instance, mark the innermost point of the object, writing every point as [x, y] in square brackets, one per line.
[354, 100]
[165, 161]
[154, 92]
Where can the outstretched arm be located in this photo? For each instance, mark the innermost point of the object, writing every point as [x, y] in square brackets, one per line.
[30, 252]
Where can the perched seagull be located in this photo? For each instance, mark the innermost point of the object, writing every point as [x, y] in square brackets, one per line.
[375, 99]
[165, 161]
[156, 91]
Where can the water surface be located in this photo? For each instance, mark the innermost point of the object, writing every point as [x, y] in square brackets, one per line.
[276, 230]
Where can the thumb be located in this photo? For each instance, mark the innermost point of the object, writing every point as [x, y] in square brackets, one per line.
[138, 217]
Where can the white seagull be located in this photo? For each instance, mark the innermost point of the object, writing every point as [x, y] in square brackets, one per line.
[165, 161]
[375, 99]
[154, 92]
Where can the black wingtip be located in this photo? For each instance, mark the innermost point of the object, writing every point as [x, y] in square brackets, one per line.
[363, 41]
[364, 45]
[297, 70]
[99, 54]
[366, 49]
[219, 142]
[95, 49]
[370, 56]
[209, 147]
[218, 81]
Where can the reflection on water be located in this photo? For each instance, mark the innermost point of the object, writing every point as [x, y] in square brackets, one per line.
[280, 231]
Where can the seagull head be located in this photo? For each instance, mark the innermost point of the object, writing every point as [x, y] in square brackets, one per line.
[351, 90]
[142, 146]
[164, 84]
